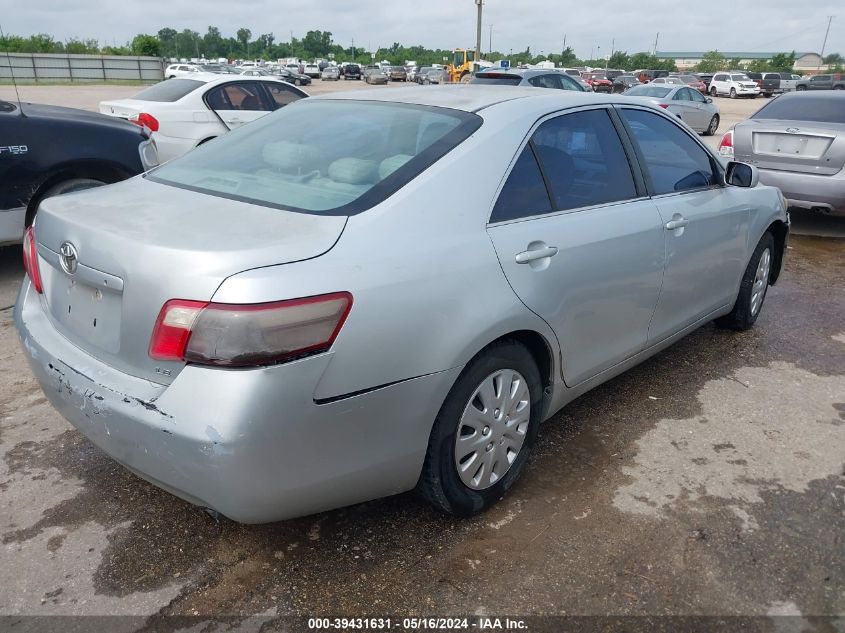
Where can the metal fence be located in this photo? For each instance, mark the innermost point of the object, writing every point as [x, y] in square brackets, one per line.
[52, 68]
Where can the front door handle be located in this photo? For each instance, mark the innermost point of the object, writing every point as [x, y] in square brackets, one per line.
[678, 222]
[532, 255]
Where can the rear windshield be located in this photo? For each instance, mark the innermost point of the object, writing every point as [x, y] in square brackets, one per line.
[496, 79]
[648, 91]
[804, 107]
[322, 156]
[169, 90]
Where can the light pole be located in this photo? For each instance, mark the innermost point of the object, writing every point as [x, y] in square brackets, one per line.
[479, 4]
[490, 42]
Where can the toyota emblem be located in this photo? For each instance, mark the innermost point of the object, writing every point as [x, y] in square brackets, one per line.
[68, 258]
[792, 130]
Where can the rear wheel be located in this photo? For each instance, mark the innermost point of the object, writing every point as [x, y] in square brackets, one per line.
[752, 288]
[714, 125]
[801, 88]
[733, 93]
[839, 87]
[712, 92]
[484, 431]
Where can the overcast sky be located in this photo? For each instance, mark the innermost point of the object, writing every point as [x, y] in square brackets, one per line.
[691, 25]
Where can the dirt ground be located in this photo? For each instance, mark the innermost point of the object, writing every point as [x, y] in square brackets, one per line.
[708, 481]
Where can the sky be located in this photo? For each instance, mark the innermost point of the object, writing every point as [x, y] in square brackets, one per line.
[690, 25]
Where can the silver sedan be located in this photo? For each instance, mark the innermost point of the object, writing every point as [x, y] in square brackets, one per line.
[689, 105]
[312, 311]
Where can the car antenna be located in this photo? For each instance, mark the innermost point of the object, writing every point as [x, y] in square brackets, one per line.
[12, 73]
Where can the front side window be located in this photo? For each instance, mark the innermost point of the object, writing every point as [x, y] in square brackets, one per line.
[322, 156]
[546, 81]
[583, 160]
[567, 83]
[673, 161]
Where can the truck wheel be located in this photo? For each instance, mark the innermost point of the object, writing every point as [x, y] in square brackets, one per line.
[66, 186]
[768, 95]
[839, 87]
[801, 88]
[466, 78]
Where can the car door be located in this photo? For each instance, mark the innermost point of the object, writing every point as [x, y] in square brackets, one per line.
[239, 102]
[718, 83]
[821, 82]
[579, 242]
[705, 223]
[702, 112]
[682, 107]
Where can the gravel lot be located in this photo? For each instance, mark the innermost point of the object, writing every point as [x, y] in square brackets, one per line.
[709, 480]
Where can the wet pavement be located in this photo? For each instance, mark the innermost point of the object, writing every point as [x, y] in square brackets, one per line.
[710, 480]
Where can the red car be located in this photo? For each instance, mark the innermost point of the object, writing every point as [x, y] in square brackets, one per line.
[598, 81]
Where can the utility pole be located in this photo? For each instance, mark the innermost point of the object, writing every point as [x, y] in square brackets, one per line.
[353, 50]
[824, 44]
[490, 42]
[656, 39]
[479, 4]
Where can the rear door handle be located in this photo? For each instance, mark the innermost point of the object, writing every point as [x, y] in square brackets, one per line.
[676, 223]
[533, 255]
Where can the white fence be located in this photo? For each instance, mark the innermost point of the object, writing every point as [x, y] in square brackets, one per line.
[48, 67]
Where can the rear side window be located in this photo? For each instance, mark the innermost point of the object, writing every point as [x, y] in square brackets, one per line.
[546, 81]
[238, 96]
[804, 107]
[524, 193]
[281, 93]
[169, 90]
[583, 160]
[674, 161]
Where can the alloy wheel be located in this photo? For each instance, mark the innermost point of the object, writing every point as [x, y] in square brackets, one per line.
[761, 281]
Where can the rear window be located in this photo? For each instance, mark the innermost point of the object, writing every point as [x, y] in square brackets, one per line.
[322, 156]
[169, 90]
[804, 107]
[657, 92]
[498, 79]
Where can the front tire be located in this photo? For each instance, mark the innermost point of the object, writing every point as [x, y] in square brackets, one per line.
[483, 434]
[801, 88]
[733, 93]
[713, 92]
[753, 287]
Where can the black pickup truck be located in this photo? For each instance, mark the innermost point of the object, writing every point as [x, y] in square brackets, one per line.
[48, 150]
[777, 83]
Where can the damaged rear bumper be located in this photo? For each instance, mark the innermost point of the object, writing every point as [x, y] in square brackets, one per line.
[250, 444]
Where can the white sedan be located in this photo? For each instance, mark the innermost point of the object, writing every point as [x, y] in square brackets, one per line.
[182, 113]
[180, 70]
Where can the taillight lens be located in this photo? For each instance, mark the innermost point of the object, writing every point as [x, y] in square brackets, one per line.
[244, 335]
[665, 106]
[30, 260]
[726, 145]
[145, 120]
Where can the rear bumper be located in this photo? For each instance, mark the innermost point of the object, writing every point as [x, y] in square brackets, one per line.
[809, 191]
[251, 444]
[170, 147]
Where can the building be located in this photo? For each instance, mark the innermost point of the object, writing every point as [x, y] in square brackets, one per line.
[805, 62]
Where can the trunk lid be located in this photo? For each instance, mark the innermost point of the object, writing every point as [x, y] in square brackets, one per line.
[797, 146]
[139, 243]
[122, 108]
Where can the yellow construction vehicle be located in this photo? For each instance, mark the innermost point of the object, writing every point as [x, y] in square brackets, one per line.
[461, 68]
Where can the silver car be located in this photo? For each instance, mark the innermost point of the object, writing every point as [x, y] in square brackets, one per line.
[689, 105]
[375, 75]
[312, 311]
[798, 143]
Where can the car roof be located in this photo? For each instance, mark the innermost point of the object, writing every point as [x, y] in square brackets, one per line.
[213, 78]
[474, 97]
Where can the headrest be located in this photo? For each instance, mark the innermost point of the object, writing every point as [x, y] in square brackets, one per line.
[389, 165]
[353, 171]
[292, 157]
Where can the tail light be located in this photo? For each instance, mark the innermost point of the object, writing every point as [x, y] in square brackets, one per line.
[665, 106]
[726, 145]
[145, 120]
[30, 260]
[245, 335]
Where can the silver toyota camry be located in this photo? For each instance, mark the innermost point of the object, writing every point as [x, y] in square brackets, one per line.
[688, 104]
[375, 292]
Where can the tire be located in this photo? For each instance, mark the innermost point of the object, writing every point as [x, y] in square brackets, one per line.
[66, 186]
[713, 92]
[753, 287]
[801, 88]
[714, 125]
[839, 87]
[768, 95]
[733, 93]
[441, 483]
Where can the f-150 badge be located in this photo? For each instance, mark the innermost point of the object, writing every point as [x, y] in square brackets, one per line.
[14, 150]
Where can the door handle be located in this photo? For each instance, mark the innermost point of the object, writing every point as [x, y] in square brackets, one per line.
[676, 223]
[526, 257]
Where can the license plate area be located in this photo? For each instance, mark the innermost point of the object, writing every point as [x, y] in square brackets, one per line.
[790, 145]
[86, 306]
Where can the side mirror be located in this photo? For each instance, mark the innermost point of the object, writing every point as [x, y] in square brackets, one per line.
[709, 100]
[741, 175]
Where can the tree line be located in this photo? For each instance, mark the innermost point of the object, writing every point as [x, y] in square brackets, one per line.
[170, 43]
